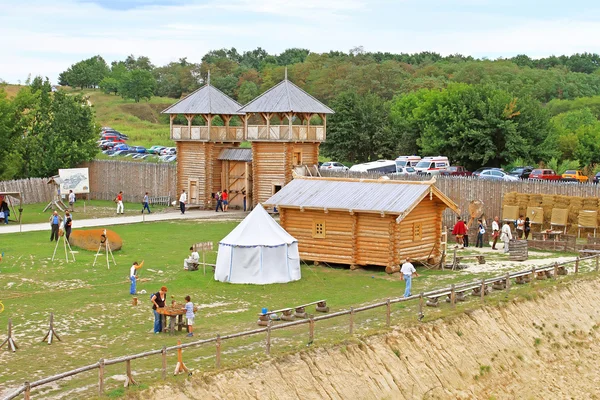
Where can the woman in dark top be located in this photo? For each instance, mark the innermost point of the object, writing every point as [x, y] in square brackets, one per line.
[527, 226]
[68, 223]
[158, 301]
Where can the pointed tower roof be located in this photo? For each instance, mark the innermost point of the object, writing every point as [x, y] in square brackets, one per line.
[286, 97]
[206, 100]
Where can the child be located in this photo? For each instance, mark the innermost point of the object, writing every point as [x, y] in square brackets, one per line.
[189, 315]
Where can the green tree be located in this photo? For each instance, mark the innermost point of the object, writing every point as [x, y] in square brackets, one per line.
[138, 84]
[247, 91]
[109, 85]
[577, 136]
[358, 131]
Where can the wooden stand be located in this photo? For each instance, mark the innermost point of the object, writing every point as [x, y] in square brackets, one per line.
[180, 367]
[66, 245]
[106, 245]
[51, 331]
[11, 343]
[129, 377]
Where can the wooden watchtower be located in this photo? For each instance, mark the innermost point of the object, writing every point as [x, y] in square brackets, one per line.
[200, 142]
[292, 141]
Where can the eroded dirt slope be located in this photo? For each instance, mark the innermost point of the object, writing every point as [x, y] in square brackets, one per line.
[548, 348]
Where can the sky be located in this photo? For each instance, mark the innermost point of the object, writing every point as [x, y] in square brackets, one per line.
[41, 37]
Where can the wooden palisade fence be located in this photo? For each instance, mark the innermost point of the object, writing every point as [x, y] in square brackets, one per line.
[553, 270]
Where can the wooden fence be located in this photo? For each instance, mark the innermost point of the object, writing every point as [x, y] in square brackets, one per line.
[462, 190]
[479, 288]
[34, 190]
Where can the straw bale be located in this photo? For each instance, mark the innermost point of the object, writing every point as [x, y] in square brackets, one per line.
[535, 200]
[90, 239]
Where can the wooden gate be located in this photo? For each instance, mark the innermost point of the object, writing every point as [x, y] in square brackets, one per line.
[193, 191]
[235, 179]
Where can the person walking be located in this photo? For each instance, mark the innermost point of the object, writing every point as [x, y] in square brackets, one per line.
[71, 200]
[244, 199]
[527, 226]
[480, 232]
[5, 210]
[119, 201]
[182, 201]
[146, 204]
[219, 198]
[158, 301]
[55, 221]
[407, 272]
[133, 276]
[225, 200]
[495, 232]
[506, 235]
[459, 231]
[520, 227]
[68, 224]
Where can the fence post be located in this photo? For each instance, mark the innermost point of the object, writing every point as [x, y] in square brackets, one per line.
[577, 265]
[218, 345]
[351, 320]
[164, 362]
[421, 306]
[555, 269]
[388, 311]
[483, 291]
[129, 376]
[27, 392]
[268, 344]
[597, 262]
[311, 329]
[101, 377]
[452, 296]
[533, 278]
[507, 283]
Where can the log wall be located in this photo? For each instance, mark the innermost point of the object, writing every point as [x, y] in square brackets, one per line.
[374, 244]
[269, 162]
[429, 215]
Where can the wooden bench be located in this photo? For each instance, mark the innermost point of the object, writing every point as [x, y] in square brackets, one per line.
[287, 315]
[459, 295]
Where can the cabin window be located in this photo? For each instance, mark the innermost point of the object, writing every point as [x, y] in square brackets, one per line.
[417, 231]
[297, 158]
[318, 228]
[277, 188]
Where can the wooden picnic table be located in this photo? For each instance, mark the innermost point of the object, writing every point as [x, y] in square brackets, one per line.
[174, 313]
[554, 235]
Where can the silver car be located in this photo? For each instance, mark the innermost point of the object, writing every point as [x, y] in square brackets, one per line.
[333, 166]
[496, 175]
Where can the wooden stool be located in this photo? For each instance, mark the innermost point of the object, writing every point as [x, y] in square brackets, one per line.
[300, 312]
[263, 319]
[499, 285]
[562, 270]
[432, 302]
[477, 291]
[287, 315]
[523, 279]
[322, 306]
[540, 275]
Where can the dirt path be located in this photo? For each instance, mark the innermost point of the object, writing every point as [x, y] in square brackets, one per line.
[546, 348]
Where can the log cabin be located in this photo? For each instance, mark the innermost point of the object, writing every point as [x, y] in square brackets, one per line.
[363, 222]
[276, 123]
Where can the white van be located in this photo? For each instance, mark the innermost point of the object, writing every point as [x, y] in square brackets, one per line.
[379, 166]
[432, 165]
[406, 161]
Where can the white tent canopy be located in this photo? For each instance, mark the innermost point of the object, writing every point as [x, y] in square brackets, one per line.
[258, 251]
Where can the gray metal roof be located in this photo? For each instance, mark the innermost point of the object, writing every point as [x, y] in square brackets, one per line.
[236, 155]
[206, 100]
[372, 196]
[286, 97]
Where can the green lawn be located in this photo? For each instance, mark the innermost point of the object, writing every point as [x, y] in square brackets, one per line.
[95, 319]
[34, 213]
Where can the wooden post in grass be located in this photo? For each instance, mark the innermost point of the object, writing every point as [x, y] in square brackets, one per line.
[164, 362]
[218, 346]
[101, 377]
[128, 376]
[11, 343]
[180, 367]
[421, 306]
[311, 329]
[388, 311]
[555, 269]
[577, 265]
[268, 344]
[533, 277]
[482, 291]
[507, 283]
[27, 392]
[351, 320]
[51, 331]
[597, 262]
[452, 296]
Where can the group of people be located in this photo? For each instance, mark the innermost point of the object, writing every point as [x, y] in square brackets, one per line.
[58, 223]
[461, 232]
[158, 300]
[222, 198]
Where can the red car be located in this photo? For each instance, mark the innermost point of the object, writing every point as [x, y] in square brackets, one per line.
[545, 174]
[456, 170]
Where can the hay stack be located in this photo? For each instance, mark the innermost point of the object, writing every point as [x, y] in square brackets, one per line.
[561, 201]
[522, 202]
[90, 239]
[509, 199]
[590, 203]
[535, 200]
[575, 205]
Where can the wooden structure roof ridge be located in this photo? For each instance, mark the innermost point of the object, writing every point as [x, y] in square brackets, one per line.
[286, 97]
[205, 100]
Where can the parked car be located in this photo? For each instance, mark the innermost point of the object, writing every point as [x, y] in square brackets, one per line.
[168, 151]
[167, 158]
[456, 170]
[403, 171]
[596, 178]
[108, 152]
[378, 167]
[333, 166]
[544, 174]
[480, 170]
[432, 165]
[119, 153]
[574, 175]
[140, 149]
[122, 146]
[496, 175]
[521, 172]
[155, 149]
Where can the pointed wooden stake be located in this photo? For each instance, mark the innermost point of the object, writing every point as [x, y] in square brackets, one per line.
[129, 377]
[51, 331]
[180, 367]
[11, 343]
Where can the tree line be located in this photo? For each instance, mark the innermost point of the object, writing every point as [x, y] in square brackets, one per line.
[475, 111]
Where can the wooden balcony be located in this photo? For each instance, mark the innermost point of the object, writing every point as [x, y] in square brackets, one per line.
[282, 133]
[202, 134]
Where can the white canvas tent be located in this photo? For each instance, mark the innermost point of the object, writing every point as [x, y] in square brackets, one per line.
[258, 251]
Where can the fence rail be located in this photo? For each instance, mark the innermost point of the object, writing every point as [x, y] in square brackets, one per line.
[27, 386]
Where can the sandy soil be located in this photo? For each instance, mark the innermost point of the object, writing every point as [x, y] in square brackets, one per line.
[546, 348]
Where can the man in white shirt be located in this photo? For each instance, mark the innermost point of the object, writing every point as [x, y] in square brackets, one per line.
[506, 236]
[133, 276]
[495, 232]
[192, 259]
[71, 200]
[407, 271]
[182, 201]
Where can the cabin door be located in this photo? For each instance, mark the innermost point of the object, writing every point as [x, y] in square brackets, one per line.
[193, 191]
[235, 182]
